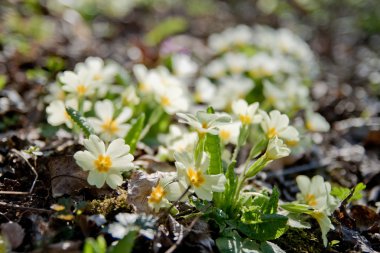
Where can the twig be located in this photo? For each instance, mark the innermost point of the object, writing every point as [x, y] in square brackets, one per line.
[3, 204]
[34, 172]
[180, 239]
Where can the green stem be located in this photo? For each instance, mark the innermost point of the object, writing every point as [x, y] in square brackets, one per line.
[153, 119]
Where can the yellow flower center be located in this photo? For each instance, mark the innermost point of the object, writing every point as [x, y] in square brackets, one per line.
[317, 215]
[143, 87]
[272, 132]
[291, 143]
[245, 119]
[103, 163]
[310, 199]
[110, 126]
[196, 177]
[157, 194]
[98, 77]
[309, 126]
[81, 89]
[165, 101]
[224, 134]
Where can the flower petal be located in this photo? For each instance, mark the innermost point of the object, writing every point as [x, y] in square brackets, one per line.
[96, 178]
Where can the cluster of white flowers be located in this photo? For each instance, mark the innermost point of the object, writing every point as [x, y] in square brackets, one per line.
[168, 90]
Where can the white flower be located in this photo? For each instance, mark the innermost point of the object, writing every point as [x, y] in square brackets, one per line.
[204, 90]
[262, 65]
[105, 165]
[316, 122]
[236, 62]
[247, 113]
[316, 193]
[106, 124]
[57, 114]
[276, 149]
[183, 66]
[129, 96]
[204, 122]
[100, 74]
[142, 76]
[172, 99]
[177, 140]
[166, 190]
[229, 133]
[215, 69]
[79, 83]
[234, 36]
[201, 183]
[231, 89]
[277, 124]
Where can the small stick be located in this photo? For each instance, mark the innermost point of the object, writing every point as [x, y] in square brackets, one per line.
[34, 172]
[3, 204]
[178, 242]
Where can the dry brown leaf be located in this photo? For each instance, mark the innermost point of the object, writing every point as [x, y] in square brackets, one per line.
[66, 176]
[139, 187]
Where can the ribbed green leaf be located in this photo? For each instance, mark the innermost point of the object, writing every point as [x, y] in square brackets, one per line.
[134, 133]
[79, 120]
[212, 147]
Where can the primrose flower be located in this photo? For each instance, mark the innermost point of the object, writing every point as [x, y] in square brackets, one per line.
[316, 122]
[229, 133]
[100, 74]
[316, 193]
[197, 178]
[277, 124]
[183, 66]
[204, 122]
[276, 149]
[204, 90]
[231, 89]
[105, 165]
[57, 114]
[215, 69]
[106, 124]
[172, 99]
[262, 65]
[129, 96]
[236, 62]
[177, 140]
[79, 83]
[247, 113]
[167, 189]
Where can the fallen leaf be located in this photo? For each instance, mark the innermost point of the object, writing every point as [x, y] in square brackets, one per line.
[66, 176]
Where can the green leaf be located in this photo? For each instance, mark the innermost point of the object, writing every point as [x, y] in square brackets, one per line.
[164, 29]
[266, 227]
[297, 208]
[210, 110]
[95, 246]
[79, 120]
[3, 81]
[126, 244]
[212, 147]
[233, 243]
[271, 206]
[342, 192]
[134, 133]
[258, 147]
